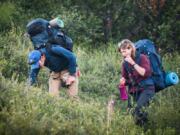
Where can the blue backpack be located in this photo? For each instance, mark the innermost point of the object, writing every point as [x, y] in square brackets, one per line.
[160, 78]
[42, 34]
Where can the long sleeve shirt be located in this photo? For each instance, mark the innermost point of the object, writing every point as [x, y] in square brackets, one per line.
[57, 60]
[134, 75]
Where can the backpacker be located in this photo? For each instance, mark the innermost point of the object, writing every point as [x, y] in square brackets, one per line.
[42, 33]
[159, 76]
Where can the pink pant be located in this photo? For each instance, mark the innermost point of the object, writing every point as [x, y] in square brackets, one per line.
[55, 83]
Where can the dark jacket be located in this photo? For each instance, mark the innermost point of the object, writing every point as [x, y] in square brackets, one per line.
[57, 60]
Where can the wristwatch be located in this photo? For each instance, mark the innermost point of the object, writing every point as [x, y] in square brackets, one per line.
[134, 64]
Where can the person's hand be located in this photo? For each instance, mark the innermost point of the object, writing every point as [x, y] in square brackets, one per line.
[78, 73]
[129, 60]
[42, 61]
[122, 81]
[70, 80]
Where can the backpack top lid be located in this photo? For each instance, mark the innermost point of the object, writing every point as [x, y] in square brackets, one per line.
[39, 32]
[145, 45]
[42, 32]
[37, 26]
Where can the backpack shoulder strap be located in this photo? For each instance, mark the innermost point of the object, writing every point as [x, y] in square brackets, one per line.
[138, 58]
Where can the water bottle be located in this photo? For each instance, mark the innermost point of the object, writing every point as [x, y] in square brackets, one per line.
[57, 22]
[123, 92]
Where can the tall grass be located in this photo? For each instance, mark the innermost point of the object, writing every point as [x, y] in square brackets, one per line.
[31, 110]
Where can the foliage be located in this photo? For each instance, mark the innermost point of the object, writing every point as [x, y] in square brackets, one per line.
[165, 119]
[31, 110]
[102, 78]
[13, 58]
[6, 14]
[156, 20]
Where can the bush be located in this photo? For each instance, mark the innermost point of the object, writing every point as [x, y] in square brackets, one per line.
[100, 71]
[31, 110]
[7, 11]
[13, 58]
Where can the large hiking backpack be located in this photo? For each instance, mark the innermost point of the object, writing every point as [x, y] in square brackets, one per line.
[159, 76]
[42, 34]
[147, 47]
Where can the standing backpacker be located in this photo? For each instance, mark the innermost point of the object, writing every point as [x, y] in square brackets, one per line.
[42, 33]
[160, 78]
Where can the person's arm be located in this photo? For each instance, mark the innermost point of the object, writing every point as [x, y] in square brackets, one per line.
[139, 68]
[145, 63]
[69, 55]
[33, 76]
